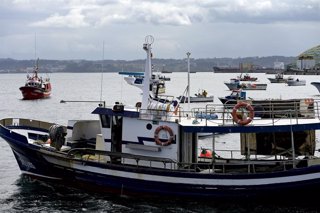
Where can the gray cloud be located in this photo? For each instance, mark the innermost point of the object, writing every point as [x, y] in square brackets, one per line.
[100, 13]
[209, 28]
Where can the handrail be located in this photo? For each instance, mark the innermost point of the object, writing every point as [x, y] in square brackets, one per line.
[26, 122]
[83, 151]
[270, 109]
[220, 165]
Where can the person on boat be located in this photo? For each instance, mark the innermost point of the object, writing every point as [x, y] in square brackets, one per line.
[204, 93]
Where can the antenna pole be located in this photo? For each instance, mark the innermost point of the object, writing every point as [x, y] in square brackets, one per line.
[102, 72]
[188, 55]
[35, 49]
[147, 72]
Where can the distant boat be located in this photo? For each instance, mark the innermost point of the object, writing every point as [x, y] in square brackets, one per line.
[278, 79]
[317, 85]
[267, 108]
[200, 97]
[296, 82]
[235, 84]
[36, 87]
[246, 77]
[136, 79]
[234, 97]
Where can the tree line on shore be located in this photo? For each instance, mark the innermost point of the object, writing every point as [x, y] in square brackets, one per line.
[169, 65]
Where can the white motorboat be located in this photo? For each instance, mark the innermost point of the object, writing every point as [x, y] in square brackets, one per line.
[235, 84]
[279, 78]
[296, 82]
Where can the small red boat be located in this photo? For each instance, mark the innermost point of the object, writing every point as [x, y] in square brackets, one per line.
[36, 87]
[247, 77]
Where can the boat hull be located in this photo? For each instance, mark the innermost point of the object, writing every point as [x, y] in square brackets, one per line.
[248, 79]
[245, 86]
[30, 93]
[277, 80]
[317, 85]
[184, 99]
[296, 83]
[132, 180]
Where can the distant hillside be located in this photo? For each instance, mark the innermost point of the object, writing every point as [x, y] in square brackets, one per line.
[172, 65]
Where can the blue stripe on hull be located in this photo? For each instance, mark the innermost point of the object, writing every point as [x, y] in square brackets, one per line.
[127, 186]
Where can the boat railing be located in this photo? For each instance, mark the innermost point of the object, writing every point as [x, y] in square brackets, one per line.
[86, 154]
[233, 154]
[212, 165]
[316, 109]
[273, 111]
[26, 122]
[227, 166]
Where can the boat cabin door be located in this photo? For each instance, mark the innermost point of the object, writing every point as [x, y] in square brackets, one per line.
[188, 148]
[116, 136]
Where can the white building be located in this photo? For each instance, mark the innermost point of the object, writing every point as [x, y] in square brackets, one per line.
[278, 65]
[310, 59]
[306, 62]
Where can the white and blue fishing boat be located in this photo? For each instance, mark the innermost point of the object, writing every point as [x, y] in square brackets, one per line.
[136, 79]
[153, 150]
[236, 84]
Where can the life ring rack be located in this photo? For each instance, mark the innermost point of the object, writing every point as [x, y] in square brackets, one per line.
[242, 121]
[157, 139]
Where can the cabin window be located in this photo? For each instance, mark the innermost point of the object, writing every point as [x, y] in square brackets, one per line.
[105, 121]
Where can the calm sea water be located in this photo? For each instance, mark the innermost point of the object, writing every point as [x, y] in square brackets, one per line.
[20, 194]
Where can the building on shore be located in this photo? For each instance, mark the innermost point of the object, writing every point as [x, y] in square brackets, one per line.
[309, 59]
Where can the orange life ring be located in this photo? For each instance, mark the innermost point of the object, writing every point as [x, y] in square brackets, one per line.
[242, 121]
[157, 139]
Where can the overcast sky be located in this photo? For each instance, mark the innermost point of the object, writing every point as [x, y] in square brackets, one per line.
[77, 29]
